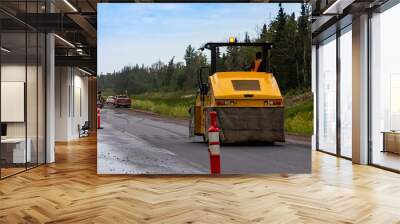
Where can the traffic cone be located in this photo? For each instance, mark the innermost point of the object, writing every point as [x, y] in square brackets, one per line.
[214, 145]
[98, 118]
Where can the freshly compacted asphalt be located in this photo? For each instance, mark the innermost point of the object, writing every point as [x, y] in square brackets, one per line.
[135, 142]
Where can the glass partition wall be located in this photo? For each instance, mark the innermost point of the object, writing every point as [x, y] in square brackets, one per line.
[345, 90]
[385, 89]
[14, 153]
[334, 99]
[22, 107]
[326, 108]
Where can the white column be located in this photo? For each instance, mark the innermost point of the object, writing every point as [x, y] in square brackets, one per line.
[50, 99]
[314, 91]
[50, 92]
[360, 90]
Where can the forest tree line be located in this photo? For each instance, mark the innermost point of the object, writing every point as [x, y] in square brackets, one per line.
[291, 59]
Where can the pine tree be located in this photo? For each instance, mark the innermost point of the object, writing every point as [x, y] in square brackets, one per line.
[189, 55]
[263, 34]
[304, 49]
[280, 52]
[247, 38]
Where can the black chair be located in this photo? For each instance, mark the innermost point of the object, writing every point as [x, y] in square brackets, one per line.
[84, 130]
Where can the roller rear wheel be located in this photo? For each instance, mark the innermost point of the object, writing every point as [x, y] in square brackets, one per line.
[191, 123]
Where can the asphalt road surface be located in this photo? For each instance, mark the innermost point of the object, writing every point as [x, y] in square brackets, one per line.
[134, 142]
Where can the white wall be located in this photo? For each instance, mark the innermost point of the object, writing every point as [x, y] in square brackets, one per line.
[12, 73]
[79, 110]
[33, 125]
[62, 82]
[82, 113]
[71, 102]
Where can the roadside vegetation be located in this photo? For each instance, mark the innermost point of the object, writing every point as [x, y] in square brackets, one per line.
[173, 104]
[299, 113]
[298, 108]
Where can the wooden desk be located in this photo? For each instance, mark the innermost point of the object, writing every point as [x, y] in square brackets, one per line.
[13, 150]
[391, 141]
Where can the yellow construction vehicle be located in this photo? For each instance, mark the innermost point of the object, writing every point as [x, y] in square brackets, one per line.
[249, 105]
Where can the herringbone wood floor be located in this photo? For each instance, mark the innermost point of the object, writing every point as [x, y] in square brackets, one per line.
[70, 191]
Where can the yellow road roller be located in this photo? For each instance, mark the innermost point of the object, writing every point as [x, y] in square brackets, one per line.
[249, 104]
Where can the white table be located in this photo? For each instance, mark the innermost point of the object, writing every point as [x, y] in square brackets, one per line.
[18, 151]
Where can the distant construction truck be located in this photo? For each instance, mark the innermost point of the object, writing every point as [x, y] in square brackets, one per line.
[249, 104]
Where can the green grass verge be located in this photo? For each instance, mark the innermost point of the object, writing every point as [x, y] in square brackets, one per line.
[299, 118]
[170, 104]
[298, 108]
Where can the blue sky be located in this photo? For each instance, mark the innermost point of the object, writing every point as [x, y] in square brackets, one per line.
[130, 34]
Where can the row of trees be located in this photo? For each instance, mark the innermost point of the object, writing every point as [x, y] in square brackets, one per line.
[291, 59]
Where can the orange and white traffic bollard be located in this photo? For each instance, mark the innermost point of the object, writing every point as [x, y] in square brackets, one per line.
[213, 144]
[98, 118]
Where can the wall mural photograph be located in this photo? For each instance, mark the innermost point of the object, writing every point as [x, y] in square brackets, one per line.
[225, 94]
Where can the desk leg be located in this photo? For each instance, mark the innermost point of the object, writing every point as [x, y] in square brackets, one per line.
[384, 142]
